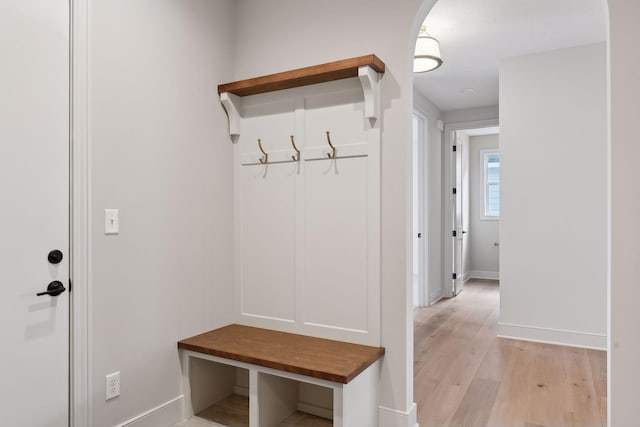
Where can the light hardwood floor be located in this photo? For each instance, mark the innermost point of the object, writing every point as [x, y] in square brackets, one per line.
[465, 376]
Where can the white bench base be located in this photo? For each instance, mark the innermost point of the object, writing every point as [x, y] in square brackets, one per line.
[273, 393]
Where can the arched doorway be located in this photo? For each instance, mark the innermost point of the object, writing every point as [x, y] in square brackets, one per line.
[599, 257]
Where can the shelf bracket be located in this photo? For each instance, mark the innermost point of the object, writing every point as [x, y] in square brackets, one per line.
[370, 81]
[231, 104]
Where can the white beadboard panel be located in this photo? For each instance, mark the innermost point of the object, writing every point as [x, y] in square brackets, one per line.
[271, 121]
[335, 289]
[307, 233]
[267, 242]
[340, 113]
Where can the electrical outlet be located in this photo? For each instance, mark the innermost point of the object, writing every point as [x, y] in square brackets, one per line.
[112, 385]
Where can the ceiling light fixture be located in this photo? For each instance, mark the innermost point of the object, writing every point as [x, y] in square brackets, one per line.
[427, 53]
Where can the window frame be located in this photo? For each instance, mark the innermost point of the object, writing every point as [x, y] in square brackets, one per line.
[484, 154]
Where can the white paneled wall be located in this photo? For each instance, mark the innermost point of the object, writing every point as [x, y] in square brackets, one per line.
[308, 231]
[268, 209]
[335, 280]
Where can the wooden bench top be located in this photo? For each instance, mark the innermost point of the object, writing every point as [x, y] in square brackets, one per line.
[330, 360]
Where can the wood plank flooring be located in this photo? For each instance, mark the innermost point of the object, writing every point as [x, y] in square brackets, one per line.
[465, 376]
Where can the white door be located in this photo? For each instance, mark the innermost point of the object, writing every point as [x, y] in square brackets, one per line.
[464, 196]
[34, 213]
[459, 209]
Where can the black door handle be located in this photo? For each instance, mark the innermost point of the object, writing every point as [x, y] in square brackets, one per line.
[54, 289]
[419, 235]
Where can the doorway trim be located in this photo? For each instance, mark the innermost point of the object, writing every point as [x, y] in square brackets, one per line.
[420, 162]
[448, 183]
[80, 223]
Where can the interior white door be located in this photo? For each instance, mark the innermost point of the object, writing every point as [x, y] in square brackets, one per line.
[458, 218]
[34, 212]
[465, 196]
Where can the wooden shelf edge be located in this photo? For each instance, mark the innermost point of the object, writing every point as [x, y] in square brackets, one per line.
[322, 73]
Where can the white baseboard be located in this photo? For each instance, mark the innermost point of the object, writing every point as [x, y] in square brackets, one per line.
[316, 410]
[167, 414]
[171, 412]
[552, 336]
[490, 275]
[435, 296]
[388, 417]
[466, 277]
[434, 300]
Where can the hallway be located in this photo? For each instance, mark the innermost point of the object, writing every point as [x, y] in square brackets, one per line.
[465, 376]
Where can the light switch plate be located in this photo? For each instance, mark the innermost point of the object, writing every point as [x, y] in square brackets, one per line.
[111, 221]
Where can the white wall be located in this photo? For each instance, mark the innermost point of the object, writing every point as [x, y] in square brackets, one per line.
[433, 201]
[553, 188]
[483, 234]
[160, 152]
[294, 34]
[624, 370]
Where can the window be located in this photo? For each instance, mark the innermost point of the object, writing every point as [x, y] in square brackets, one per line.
[491, 167]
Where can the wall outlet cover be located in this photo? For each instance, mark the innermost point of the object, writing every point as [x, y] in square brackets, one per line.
[112, 384]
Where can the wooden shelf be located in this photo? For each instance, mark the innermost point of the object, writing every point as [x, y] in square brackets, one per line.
[335, 361]
[322, 73]
[367, 68]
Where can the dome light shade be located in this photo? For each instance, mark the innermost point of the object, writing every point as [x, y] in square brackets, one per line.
[427, 54]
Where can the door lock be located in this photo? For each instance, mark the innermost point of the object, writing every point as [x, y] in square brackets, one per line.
[54, 289]
[55, 256]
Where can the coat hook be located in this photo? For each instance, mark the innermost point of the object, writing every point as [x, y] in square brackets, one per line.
[295, 158]
[265, 159]
[332, 154]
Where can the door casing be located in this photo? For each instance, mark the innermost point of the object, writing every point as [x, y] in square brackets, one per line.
[448, 183]
[420, 258]
[80, 254]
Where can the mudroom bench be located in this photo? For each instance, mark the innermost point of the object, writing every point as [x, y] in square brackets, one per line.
[280, 373]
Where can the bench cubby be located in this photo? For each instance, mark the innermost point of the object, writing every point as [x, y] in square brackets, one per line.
[219, 391]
